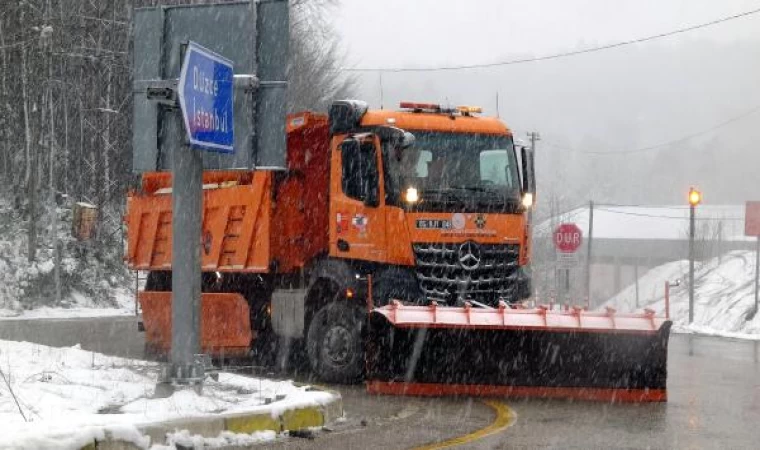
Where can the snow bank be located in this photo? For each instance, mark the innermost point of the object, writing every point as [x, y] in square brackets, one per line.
[724, 293]
[225, 439]
[64, 397]
[78, 305]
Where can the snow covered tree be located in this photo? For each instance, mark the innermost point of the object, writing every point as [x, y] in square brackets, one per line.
[65, 115]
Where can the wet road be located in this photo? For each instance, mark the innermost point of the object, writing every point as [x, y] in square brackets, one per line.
[713, 388]
[713, 402]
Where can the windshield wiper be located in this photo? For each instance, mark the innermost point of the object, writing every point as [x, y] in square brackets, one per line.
[475, 188]
[447, 192]
[490, 191]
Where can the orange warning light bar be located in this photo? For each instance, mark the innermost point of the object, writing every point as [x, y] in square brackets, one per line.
[420, 106]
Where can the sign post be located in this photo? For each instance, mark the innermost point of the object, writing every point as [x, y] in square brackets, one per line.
[205, 98]
[695, 198]
[567, 240]
[752, 228]
[183, 103]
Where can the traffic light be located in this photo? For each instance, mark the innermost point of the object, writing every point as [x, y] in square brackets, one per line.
[695, 197]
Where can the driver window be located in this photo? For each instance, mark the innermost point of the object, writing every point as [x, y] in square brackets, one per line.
[359, 163]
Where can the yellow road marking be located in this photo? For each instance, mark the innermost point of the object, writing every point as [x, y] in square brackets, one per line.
[505, 417]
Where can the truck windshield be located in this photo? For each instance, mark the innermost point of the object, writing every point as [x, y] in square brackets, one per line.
[465, 167]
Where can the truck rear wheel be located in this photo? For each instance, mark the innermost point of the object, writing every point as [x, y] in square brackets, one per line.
[334, 343]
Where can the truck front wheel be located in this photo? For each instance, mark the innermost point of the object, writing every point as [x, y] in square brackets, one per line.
[334, 343]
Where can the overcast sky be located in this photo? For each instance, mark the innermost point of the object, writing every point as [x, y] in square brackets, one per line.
[432, 32]
[618, 99]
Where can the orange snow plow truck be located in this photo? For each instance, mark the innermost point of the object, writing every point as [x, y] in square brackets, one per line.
[394, 248]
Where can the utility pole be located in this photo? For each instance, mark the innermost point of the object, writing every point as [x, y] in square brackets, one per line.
[534, 137]
[588, 251]
[691, 264]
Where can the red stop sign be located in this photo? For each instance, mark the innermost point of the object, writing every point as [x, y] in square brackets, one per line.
[567, 237]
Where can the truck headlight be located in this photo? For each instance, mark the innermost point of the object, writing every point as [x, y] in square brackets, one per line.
[411, 195]
[527, 200]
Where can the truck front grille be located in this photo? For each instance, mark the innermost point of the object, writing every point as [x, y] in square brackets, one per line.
[454, 273]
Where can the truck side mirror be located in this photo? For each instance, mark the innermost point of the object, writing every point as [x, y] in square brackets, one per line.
[408, 140]
[528, 171]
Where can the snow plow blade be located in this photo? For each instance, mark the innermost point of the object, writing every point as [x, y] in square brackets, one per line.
[225, 324]
[436, 350]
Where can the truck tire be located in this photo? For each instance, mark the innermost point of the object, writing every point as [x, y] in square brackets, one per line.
[334, 343]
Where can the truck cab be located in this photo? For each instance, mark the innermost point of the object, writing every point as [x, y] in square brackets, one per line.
[433, 201]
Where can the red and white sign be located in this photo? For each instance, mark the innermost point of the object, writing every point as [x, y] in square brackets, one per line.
[752, 219]
[567, 237]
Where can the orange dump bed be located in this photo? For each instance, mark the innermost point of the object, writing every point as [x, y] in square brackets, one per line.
[236, 221]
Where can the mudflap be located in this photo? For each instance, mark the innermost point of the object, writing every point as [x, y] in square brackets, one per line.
[225, 324]
[535, 353]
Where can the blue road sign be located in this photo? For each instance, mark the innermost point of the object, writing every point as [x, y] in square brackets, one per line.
[205, 98]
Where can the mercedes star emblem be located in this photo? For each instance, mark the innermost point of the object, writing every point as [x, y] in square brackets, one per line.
[469, 255]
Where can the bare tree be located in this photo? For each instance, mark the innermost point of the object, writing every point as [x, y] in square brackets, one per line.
[314, 74]
[66, 75]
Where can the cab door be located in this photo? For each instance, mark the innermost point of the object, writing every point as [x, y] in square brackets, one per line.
[357, 229]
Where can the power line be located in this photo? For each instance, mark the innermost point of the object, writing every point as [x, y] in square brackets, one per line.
[663, 144]
[555, 55]
[627, 213]
[620, 205]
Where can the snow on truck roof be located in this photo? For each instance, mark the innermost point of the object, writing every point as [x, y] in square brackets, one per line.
[652, 222]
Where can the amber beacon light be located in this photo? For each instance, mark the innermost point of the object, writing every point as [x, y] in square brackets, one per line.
[695, 197]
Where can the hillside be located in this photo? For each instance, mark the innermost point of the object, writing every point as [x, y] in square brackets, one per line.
[724, 295]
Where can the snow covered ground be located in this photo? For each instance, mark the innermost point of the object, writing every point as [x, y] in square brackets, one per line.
[724, 294]
[77, 305]
[64, 397]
